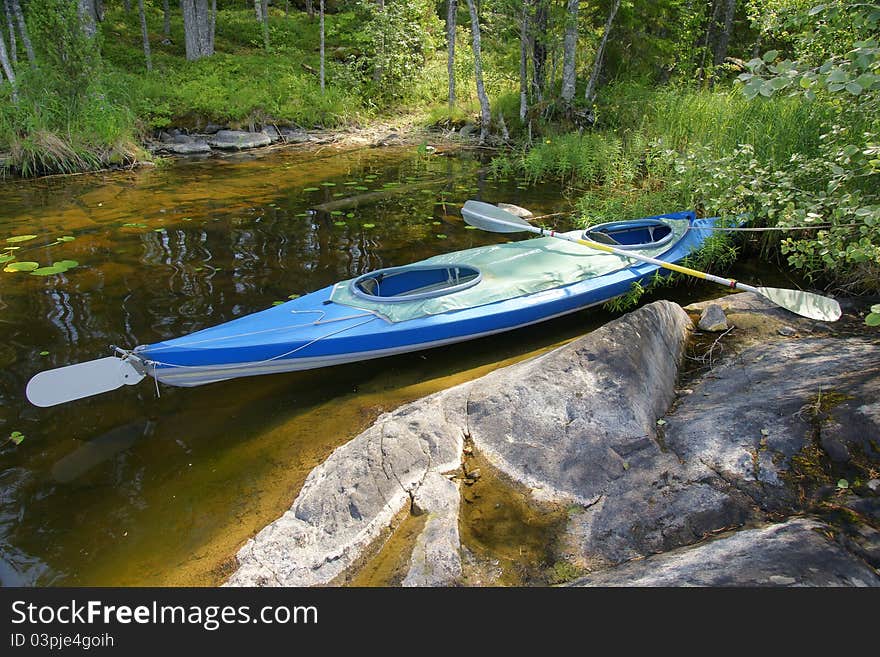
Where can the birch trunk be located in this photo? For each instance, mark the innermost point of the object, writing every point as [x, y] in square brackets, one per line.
[13, 47]
[524, 62]
[145, 35]
[6, 65]
[321, 8]
[539, 49]
[166, 23]
[724, 38]
[710, 28]
[590, 93]
[485, 111]
[569, 46]
[22, 30]
[264, 9]
[197, 24]
[452, 5]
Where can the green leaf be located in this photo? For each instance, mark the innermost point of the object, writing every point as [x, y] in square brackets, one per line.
[876, 308]
[17, 437]
[806, 82]
[369, 225]
[21, 266]
[873, 319]
[441, 236]
[329, 184]
[854, 88]
[20, 238]
[277, 303]
[293, 296]
[842, 484]
[48, 271]
[311, 189]
[770, 55]
[44, 353]
[6, 257]
[66, 238]
[339, 223]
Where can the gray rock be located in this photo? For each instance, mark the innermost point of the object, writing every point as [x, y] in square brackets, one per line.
[347, 501]
[436, 559]
[572, 421]
[188, 148]
[794, 553]
[294, 136]
[787, 331]
[712, 319]
[213, 128]
[238, 140]
[874, 485]
[273, 133]
[182, 139]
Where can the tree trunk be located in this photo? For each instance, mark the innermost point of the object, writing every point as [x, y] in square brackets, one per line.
[22, 29]
[539, 49]
[710, 29]
[145, 35]
[166, 23]
[724, 37]
[10, 26]
[213, 26]
[590, 93]
[451, 7]
[126, 5]
[197, 30]
[261, 7]
[87, 17]
[99, 10]
[6, 65]
[485, 112]
[321, 5]
[569, 46]
[524, 62]
[310, 8]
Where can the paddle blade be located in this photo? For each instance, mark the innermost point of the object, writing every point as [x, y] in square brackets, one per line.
[806, 304]
[65, 384]
[488, 217]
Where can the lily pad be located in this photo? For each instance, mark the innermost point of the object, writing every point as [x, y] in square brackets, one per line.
[311, 189]
[842, 484]
[6, 257]
[339, 223]
[293, 296]
[278, 303]
[44, 353]
[57, 268]
[21, 266]
[361, 188]
[66, 238]
[20, 238]
[441, 236]
[134, 225]
[328, 184]
[336, 213]
[470, 227]
[369, 225]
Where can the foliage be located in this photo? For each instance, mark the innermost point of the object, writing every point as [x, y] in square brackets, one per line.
[873, 317]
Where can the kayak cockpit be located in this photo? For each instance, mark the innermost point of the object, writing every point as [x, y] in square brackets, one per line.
[413, 282]
[639, 234]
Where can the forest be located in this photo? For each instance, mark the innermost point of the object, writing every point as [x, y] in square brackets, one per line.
[765, 110]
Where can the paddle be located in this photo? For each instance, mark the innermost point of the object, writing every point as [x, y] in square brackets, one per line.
[64, 384]
[491, 218]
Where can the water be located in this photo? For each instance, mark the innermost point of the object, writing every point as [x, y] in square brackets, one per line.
[130, 488]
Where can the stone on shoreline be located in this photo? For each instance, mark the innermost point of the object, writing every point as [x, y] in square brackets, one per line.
[712, 319]
[238, 140]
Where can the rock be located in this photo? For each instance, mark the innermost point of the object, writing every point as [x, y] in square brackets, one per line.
[347, 501]
[238, 140]
[213, 128]
[874, 485]
[712, 319]
[516, 210]
[182, 139]
[273, 133]
[188, 148]
[747, 421]
[436, 559]
[793, 553]
[293, 136]
[567, 421]
[787, 331]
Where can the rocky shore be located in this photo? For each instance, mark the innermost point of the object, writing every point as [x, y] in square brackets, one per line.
[675, 456]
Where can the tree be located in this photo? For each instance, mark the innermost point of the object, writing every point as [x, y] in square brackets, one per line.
[88, 16]
[22, 29]
[321, 7]
[7, 67]
[452, 6]
[261, 8]
[539, 48]
[13, 49]
[724, 37]
[145, 35]
[569, 49]
[166, 22]
[524, 61]
[198, 28]
[590, 92]
[485, 111]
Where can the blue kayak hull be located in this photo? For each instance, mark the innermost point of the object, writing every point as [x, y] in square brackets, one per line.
[311, 331]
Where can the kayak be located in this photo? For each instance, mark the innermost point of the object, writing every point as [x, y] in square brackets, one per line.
[442, 300]
[445, 299]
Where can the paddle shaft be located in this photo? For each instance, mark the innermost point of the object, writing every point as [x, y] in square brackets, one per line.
[727, 282]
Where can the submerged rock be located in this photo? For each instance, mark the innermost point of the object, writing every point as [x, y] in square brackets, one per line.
[436, 560]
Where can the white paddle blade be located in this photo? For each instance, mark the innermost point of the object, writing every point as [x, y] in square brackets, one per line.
[806, 304]
[65, 384]
[488, 217]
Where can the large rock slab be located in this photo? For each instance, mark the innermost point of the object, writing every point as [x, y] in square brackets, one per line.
[793, 553]
[347, 502]
[572, 421]
[236, 140]
[436, 558]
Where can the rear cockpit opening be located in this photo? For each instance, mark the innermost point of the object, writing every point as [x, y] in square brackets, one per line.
[411, 283]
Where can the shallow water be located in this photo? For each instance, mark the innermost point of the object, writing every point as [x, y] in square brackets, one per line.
[134, 488]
